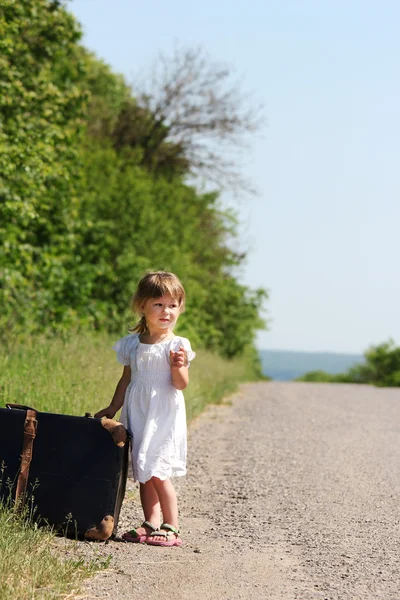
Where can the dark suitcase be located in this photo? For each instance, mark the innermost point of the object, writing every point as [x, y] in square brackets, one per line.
[72, 469]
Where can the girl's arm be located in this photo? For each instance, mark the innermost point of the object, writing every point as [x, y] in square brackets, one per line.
[179, 369]
[118, 398]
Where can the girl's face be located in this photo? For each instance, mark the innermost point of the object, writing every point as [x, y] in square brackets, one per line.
[161, 313]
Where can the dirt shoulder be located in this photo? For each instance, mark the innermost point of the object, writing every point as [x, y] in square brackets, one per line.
[292, 493]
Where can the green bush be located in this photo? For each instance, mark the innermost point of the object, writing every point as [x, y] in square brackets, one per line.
[317, 376]
[381, 368]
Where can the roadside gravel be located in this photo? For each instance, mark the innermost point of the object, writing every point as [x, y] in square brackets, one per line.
[292, 493]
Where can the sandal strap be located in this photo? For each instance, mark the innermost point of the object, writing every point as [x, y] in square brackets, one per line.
[149, 525]
[169, 528]
[159, 533]
[132, 533]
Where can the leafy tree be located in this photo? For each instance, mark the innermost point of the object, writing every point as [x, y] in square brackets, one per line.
[41, 110]
[381, 368]
[108, 93]
[191, 116]
[132, 222]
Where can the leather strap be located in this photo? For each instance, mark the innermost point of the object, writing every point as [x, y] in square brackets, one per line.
[30, 427]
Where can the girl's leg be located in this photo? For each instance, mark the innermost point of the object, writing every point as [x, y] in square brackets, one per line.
[169, 505]
[151, 506]
[150, 503]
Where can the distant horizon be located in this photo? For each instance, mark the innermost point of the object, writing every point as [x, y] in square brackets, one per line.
[311, 351]
[287, 365]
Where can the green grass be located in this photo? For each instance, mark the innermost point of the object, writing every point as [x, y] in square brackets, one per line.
[76, 376]
[32, 567]
[68, 377]
[79, 375]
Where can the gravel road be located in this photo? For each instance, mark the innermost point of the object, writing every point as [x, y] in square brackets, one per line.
[293, 493]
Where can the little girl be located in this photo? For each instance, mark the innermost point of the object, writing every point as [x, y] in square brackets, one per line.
[150, 390]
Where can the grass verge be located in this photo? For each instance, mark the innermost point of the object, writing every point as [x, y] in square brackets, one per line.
[31, 568]
[78, 376]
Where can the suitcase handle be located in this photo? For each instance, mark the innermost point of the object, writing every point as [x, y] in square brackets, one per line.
[20, 406]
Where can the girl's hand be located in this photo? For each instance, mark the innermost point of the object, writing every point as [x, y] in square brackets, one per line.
[178, 359]
[108, 412]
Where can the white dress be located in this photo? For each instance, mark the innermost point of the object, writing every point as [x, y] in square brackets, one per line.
[154, 410]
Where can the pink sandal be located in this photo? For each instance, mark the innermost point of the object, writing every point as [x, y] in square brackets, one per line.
[134, 537]
[166, 531]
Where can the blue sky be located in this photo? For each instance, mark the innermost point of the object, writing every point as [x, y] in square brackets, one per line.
[323, 232]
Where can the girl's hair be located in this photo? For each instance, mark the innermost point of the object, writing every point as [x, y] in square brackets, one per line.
[155, 285]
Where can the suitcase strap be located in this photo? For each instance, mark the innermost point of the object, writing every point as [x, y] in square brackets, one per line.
[30, 427]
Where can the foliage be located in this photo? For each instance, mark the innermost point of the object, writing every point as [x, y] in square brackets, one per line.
[91, 198]
[191, 116]
[108, 93]
[381, 368]
[132, 222]
[317, 376]
[41, 110]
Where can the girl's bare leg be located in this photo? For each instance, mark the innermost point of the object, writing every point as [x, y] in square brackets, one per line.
[169, 505]
[151, 506]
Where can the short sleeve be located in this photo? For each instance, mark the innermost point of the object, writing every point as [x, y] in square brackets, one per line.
[125, 347]
[178, 342]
